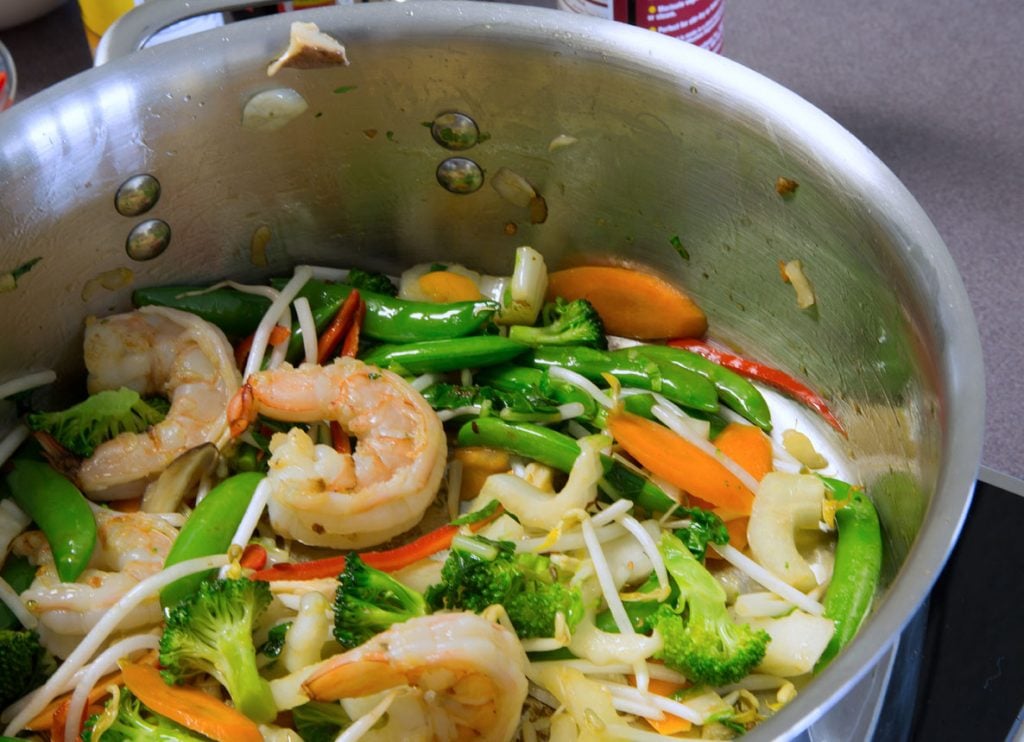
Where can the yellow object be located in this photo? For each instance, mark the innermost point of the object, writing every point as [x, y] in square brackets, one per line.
[99, 15]
[444, 286]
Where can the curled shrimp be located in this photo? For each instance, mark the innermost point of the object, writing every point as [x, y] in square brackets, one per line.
[464, 678]
[157, 350]
[129, 548]
[346, 500]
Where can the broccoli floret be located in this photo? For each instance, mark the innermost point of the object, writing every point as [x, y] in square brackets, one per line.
[705, 527]
[136, 723]
[701, 639]
[24, 664]
[564, 323]
[320, 722]
[368, 601]
[480, 572]
[102, 416]
[211, 631]
[376, 283]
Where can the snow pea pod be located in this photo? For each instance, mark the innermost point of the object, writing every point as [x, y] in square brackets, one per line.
[560, 451]
[208, 531]
[439, 356]
[679, 385]
[735, 392]
[61, 512]
[234, 312]
[388, 319]
[858, 564]
[393, 320]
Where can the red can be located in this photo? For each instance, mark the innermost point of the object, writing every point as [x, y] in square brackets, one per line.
[697, 22]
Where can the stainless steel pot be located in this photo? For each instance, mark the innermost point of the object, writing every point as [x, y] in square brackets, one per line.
[673, 147]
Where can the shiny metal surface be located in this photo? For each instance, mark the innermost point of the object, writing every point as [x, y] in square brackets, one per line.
[671, 142]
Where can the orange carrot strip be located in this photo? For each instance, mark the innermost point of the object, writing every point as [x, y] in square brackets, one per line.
[670, 724]
[679, 462]
[46, 719]
[350, 345]
[191, 708]
[631, 303]
[278, 335]
[748, 446]
[335, 332]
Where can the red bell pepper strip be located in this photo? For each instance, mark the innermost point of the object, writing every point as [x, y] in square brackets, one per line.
[339, 438]
[339, 327]
[390, 560]
[760, 372]
[350, 345]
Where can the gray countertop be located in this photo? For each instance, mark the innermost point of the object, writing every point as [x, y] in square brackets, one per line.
[935, 89]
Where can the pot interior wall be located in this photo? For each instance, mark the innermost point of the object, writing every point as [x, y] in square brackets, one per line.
[669, 169]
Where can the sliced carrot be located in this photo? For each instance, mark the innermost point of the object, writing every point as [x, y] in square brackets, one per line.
[278, 335]
[737, 528]
[444, 287]
[748, 446]
[631, 303]
[46, 719]
[679, 462]
[191, 708]
[670, 724]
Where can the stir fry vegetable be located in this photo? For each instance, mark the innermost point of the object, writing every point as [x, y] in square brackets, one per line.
[456, 498]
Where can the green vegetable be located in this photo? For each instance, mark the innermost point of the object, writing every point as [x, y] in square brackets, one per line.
[677, 384]
[560, 451]
[438, 356]
[388, 319]
[275, 641]
[18, 572]
[735, 392]
[208, 531]
[59, 509]
[858, 563]
[701, 640]
[24, 664]
[564, 323]
[537, 385]
[510, 405]
[136, 723]
[480, 572]
[320, 722]
[368, 601]
[392, 320]
[211, 631]
[378, 283]
[705, 527]
[102, 416]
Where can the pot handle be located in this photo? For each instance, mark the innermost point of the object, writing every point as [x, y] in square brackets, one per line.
[130, 32]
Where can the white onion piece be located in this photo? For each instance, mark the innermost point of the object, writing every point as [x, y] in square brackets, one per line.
[24, 383]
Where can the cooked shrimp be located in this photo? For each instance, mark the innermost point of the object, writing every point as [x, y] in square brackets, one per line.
[342, 500]
[157, 350]
[129, 548]
[464, 675]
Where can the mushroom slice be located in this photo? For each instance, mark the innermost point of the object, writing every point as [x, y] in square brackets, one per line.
[309, 48]
[180, 479]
